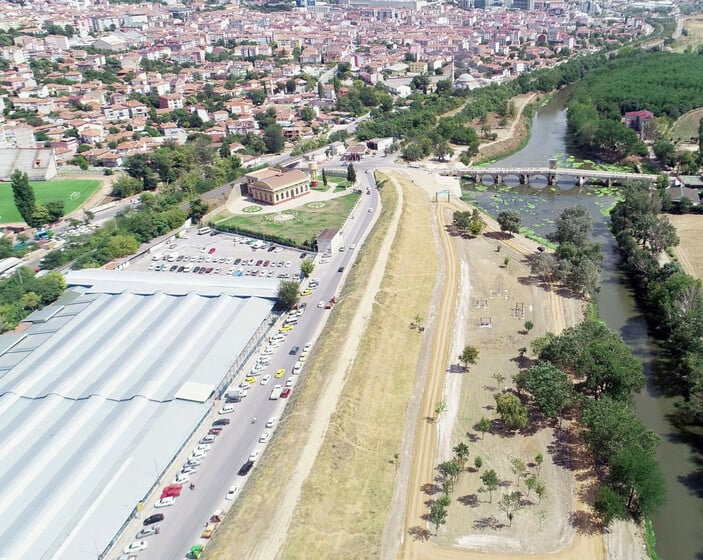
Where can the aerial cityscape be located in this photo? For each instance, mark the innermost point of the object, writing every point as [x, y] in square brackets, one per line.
[399, 279]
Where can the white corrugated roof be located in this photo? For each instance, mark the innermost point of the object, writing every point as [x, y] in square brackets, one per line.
[96, 401]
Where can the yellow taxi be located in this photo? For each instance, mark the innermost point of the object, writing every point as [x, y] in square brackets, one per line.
[280, 373]
[286, 328]
[251, 380]
[306, 293]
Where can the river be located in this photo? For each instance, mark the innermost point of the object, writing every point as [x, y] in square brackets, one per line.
[679, 523]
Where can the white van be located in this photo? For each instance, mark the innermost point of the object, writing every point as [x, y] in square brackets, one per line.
[297, 368]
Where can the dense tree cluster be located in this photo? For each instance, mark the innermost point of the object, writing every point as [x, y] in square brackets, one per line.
[24, 292]
[591, 366]
[672, 299]
[34, 215]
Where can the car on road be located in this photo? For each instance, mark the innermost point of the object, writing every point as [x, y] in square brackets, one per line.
[306, 293]
[268, 351]
[222, 422]
[280, 373]
[148, 531]
[352, 247]
[211, 250]
[165, 502]
[370, 209]
[259, 262]
[232, 492]
[307, 347]
[154, 519]
[288, 264]
[136, 546]
[189, 469]
[321, 304]
[237, 261]
[294, 350]
[250, 380]
[181, 478]
[215, 431]
[173, 490]
[285, 393]
[245, 468]
[226, 409]
[207, 439]
[265, 437]
[254, 455]
[286, 328]
[289, 382]
[271, 422]
[265, 379]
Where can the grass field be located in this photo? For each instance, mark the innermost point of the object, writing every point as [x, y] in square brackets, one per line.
[307, 222]
[686, 127]
[693, 35]
[72, 192]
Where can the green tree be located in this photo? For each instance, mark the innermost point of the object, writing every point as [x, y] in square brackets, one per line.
[121, 245]
[23, 194]
[437, 515]
[30, 300]
[478, 463]
[574, 225]
[461, 454]
[490, 482]
[545, 267]
[529, 325]
[351, 173]
[531, 482]
[40, 216]
[288, 293]
[6, 245]
[511, 410]
[306, 267]
[440, 408]
[539, 459]
[443, 150]
[509, 221]
[468, 357]
[273, 139]
[324, 177]
[510, 504]
[450, 469]
[476, 223]
[549, 386]
[483, 426]
[56, 209]
[609, 505]
[518, 468]
[198, 209]
[637, 477]
[257, 96]
[461, 220]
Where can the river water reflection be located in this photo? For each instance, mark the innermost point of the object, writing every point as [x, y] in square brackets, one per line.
[679, 524]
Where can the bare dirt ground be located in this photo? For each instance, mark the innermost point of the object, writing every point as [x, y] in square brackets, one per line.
[689, 252]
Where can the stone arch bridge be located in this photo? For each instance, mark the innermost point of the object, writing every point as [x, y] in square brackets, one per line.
[552, 174]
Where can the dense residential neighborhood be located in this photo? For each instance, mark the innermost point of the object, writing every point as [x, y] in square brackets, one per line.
[97, 82]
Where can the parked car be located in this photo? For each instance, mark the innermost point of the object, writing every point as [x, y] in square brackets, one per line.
[154, 519]
[232, 492]
[265, 437]
[136, 546]
[293, 351]
[148, 531]
[245, 468]
[222, 422]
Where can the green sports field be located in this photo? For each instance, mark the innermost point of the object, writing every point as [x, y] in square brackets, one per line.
[73, 192]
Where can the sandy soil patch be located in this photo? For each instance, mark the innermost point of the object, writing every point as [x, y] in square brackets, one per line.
[689, 251]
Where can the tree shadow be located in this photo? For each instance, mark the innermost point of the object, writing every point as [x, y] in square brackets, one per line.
[456, 368]
[472, 437]
[585, 522]
[489, 522]
[430, 419]
[430, 488]
[469, 500]
[490, 388]
[523, 362]
[419, 533]
[497, 235]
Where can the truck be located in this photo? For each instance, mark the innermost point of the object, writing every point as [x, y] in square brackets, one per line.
[211, 525]
[276, 393]
[234, 395]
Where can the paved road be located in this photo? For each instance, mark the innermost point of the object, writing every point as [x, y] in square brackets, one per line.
[185, 520]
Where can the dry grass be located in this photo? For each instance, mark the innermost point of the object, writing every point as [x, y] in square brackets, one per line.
[689, 252]
[346, 500]
[694, 38]
[685, 129]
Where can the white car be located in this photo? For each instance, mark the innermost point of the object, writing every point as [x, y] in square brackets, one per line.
[265, 360]
[165, 502]
[232, 491]
[271, 422]
[268, 351]
[265, 437]
[321, 304]
[227, 409]
[258, 367]
[352, 246]
[288, 264]
[289, 382]
[204, 447]
[265, 379]
[370, 209]
[254, 455]
[148, 531]
[197, 455]
[136, 546]
[181, 478]
[209, 438]
[307, 347]
[188, 470]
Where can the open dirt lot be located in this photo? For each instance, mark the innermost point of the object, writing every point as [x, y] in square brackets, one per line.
[689, 252]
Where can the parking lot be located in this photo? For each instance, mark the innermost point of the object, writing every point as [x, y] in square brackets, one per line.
[224, 254]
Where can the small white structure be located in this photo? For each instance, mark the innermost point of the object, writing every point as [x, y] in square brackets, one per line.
[329, 241]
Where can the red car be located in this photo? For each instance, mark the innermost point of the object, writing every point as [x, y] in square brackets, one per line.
[215, 431]
[212, 250]
[258, 263]
[266, 263]
[172, 490]
[285, 393]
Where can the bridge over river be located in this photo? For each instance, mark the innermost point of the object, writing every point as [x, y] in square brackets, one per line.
[552, 174]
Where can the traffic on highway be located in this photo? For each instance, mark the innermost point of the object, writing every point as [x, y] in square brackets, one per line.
[207, 477]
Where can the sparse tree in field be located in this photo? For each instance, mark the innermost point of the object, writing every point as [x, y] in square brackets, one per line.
[440, 408]
[461, 220]
[468, 357]
[529, 325]
[499, 377]
[461, 454]
[447, 486]
[476, 223]
[444, 500]
[450, 469]
[483, 426]
[539, 459]
[437, 516]
[478, 463]
[490, 482]
[324, 177]
[518, 468]
[509, 221]
[540, 490]
[511, 410]
[545, 267]
[506, 262]
[351, 173]
[306, 267]
[531, 482]
[510, 504]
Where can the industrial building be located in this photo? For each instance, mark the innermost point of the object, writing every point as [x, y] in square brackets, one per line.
[102, 390]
